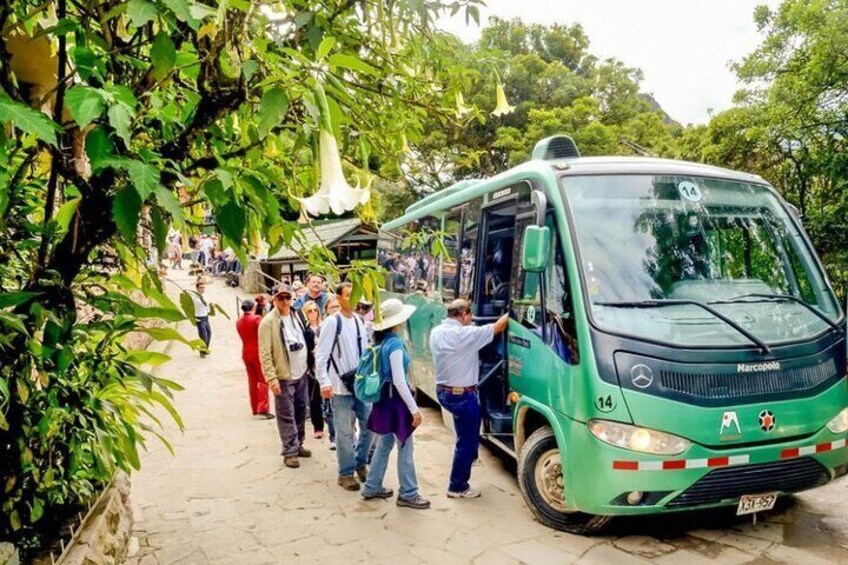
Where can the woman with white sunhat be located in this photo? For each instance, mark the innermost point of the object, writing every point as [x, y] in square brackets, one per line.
[396, 415]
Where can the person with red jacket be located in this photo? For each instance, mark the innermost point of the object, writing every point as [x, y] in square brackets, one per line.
[248, 330]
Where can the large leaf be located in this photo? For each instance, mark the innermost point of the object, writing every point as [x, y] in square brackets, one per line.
[351, 62]
[28, 120]
[120, 119]
[160, 230]
[272, 109]
[98, 146]
[169, 202]
[231, 219]
[187, 303]
[163, 54]
[141, 12]
[146, 357]
[126, 208]
[17, 298]
[85, 104]
[66, 213]
[144, 177]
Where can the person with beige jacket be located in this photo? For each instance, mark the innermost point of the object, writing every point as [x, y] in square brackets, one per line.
[284, 346]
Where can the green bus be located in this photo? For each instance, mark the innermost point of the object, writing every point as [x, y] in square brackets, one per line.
[674, 343]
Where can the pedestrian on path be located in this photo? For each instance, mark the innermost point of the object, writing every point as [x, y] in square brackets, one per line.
[315, 287]
[396, 415]
[332, 307]
[283, 352]
[248, 330]
[201, 314]
[337, 354]
[455, 344]
[316, 403]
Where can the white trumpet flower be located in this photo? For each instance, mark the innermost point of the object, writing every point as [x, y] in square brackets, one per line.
[461, 108]
[502, 107]
[334, 193]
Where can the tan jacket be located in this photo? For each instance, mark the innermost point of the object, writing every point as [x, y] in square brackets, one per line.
[272, 356]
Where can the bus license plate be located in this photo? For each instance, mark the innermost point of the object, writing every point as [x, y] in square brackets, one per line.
[751, 503]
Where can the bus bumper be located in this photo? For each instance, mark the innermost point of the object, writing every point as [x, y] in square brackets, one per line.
[601, 477]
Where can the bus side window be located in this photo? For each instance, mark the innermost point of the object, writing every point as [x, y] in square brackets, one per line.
[448, 266]
[559, 304]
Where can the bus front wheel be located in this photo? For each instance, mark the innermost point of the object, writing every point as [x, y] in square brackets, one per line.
[542, 483]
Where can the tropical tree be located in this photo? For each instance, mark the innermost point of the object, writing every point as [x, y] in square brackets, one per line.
[126, 118]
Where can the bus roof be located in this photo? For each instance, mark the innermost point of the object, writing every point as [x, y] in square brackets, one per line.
[577, 166]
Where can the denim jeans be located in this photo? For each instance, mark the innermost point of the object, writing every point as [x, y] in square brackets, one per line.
[405, 467]
[351, 451]
[327, 412]
[466, 419]
[204, 330]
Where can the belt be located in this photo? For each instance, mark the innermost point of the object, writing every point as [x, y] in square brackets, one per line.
[457, 389]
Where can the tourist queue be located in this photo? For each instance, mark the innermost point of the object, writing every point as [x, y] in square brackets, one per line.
[305, 347]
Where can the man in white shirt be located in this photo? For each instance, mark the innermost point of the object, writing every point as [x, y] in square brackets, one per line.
[455, 344]
[336, 359]
[201, 314]
[283, 354]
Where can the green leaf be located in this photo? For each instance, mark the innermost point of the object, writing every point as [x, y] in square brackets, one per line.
[180, 8]
[14, 322]
[188, 305]
[126, 208]
[37, 511]
[146, 357]
[163, 54]
[144, 177]
[225, 176]
[351, 62]
[124, 95]
[214, 191]
[231, 219]
[201, 11]
[170, 334]
[141, 12]
[98, 146]
[16, 298]
[160, 230]
[28, 120]
[66, 213]
[120, 119]
[85, 104]
[325, 47]
[169, 202]
[272, 109]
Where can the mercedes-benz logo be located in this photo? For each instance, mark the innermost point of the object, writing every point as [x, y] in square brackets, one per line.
[641, 376]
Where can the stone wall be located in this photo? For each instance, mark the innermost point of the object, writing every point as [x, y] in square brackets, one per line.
[105, 536]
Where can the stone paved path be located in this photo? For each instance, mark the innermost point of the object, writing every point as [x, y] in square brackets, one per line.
[225, 497]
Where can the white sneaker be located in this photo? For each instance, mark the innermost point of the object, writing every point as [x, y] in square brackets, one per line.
[332, 446]
[470, 492]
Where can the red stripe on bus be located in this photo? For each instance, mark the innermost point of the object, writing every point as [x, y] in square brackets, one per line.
[718, 461]
[823, 447]
[625, 465]
[678, 464]
[789, 453]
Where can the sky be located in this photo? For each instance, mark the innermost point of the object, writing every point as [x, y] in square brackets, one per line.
[684, 47]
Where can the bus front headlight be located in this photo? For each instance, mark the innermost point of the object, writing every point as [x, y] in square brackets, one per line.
[638, 439]
[840, 423]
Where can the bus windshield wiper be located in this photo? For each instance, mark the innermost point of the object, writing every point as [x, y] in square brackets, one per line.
[676, 302]
[769, 296]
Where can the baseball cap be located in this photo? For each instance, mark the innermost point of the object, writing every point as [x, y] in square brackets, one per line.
[282, 289]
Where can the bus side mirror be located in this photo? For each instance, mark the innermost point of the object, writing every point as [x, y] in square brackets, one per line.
[536, 249]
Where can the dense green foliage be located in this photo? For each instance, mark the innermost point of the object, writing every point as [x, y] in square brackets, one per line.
[790, 122]
[124, 118]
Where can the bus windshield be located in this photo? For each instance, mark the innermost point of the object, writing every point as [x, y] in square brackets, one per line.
[682, 242]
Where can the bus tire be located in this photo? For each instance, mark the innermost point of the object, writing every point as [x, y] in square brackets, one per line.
[541, 482]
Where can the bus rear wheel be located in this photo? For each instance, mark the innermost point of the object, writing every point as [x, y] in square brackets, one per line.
[542, 484]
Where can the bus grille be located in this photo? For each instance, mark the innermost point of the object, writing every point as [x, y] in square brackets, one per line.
[738, 386]
[732, 482]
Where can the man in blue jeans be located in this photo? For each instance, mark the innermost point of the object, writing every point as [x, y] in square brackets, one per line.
[455, 344]
[341, 342]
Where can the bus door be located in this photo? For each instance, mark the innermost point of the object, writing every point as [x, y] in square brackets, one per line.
[501, 224]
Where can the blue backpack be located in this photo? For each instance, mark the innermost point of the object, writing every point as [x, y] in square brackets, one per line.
[370, 376]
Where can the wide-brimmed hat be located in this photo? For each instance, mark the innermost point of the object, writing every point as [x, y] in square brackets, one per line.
[393, 313]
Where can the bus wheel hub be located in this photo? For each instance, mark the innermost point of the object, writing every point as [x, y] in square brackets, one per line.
[549, 480]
